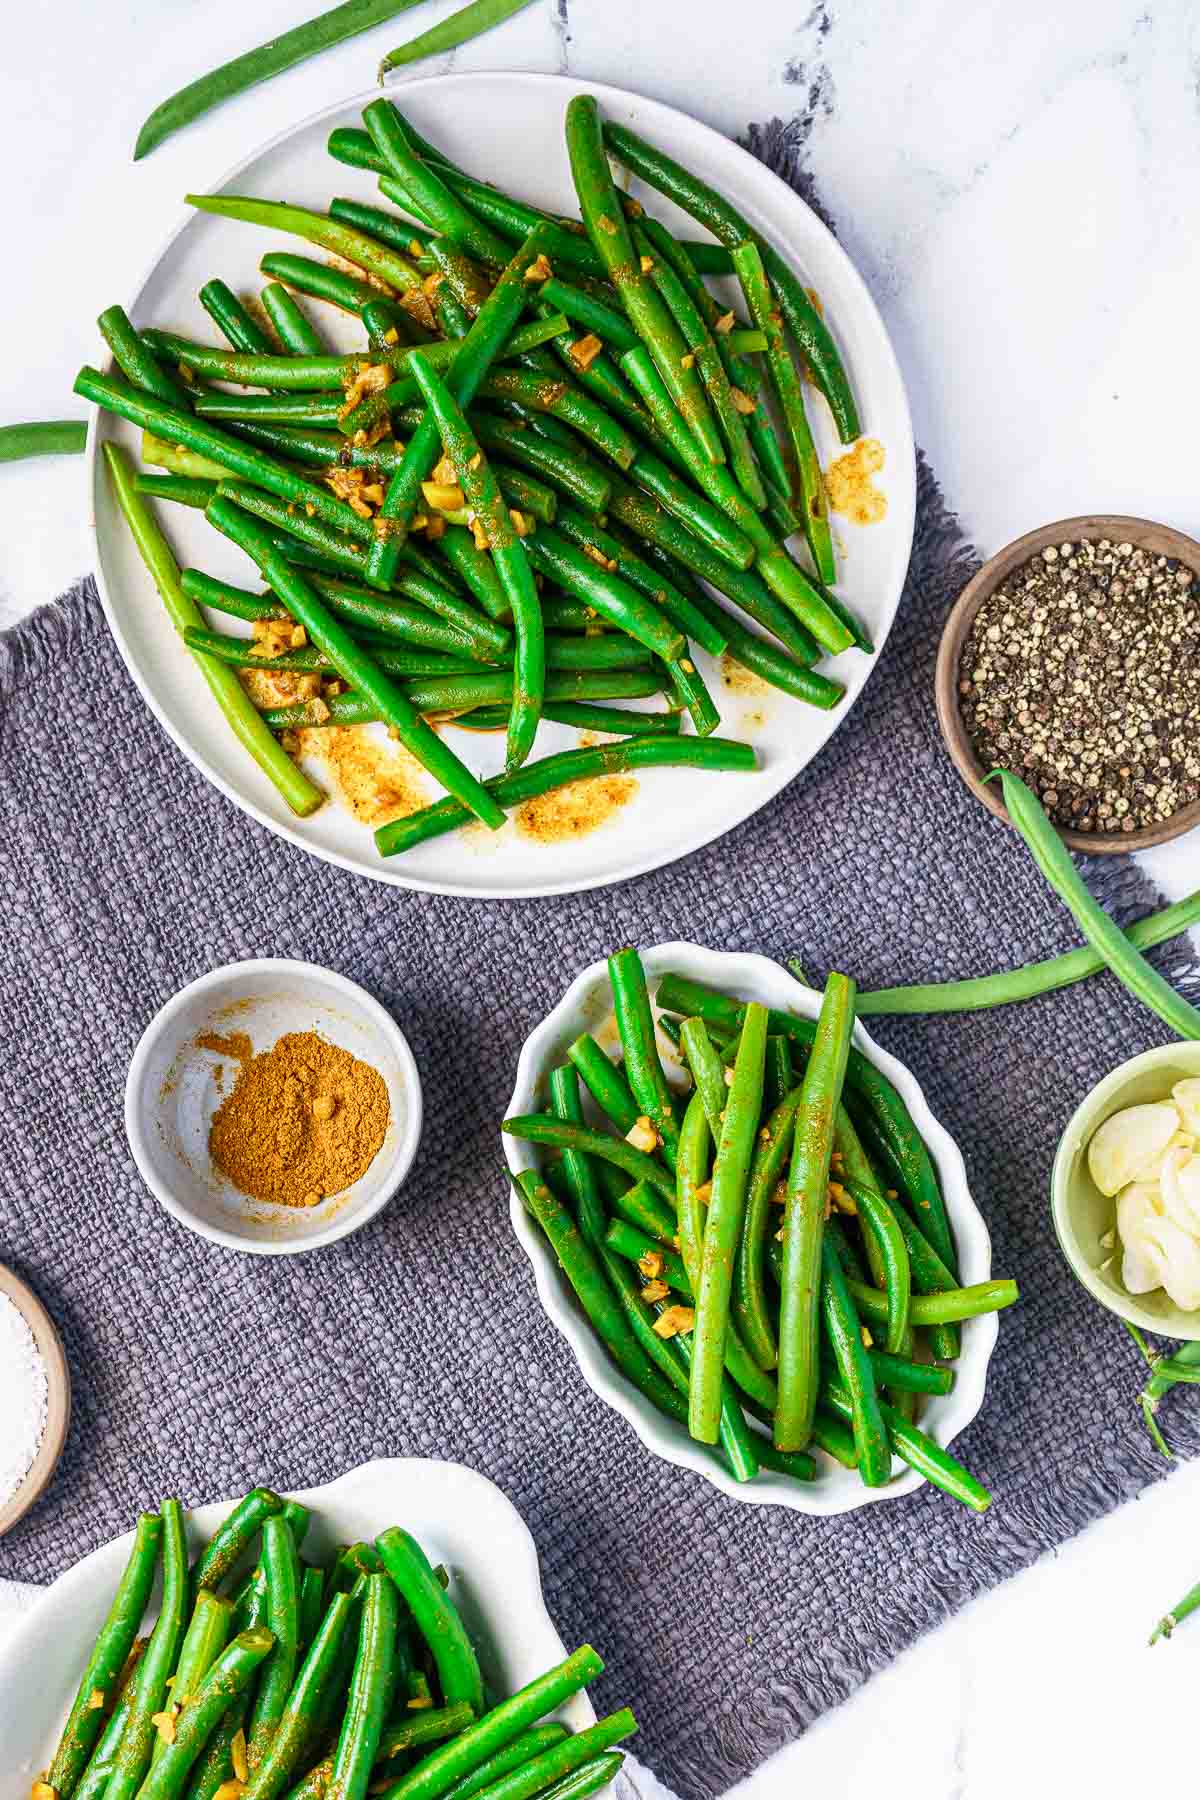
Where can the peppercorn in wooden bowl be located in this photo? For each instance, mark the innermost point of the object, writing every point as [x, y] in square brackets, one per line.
[1073, 658]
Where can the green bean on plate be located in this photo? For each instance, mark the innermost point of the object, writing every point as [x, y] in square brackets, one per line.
[745, 1277]
[291, 1665]
[540, 443]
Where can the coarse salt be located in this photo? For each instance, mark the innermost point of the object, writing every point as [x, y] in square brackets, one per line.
[23, 1395]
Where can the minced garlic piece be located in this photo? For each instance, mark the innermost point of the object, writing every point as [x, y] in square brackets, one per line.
[165, 1724]
[297, 637]
[651, 1264]
[688, 361]
[443, 496]
[704, 1194]
[673, 1320]
[867, 1339]
[642, 1135]
[647, 263]
[237, 1753]
[655, 1290]
[584, 351]
[522, 523]
[230, 1790]
[539, 269]
[482, 541]
[742, 400]
[725, 323]
[95, 1700]
[435, 528]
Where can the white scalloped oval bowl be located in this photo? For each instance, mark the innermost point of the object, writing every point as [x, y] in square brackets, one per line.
[458, 1516]
[586, 1006]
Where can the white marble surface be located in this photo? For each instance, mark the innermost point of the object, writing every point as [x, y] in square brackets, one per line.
[1018, 186]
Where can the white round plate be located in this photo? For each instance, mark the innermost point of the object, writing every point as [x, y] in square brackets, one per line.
[587, 1006]
[509, 128]
[457, 1516]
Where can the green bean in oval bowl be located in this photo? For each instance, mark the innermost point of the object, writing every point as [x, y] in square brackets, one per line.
[586, 1007]
[459, 1518]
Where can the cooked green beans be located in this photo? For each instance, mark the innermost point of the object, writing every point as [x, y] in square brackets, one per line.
[563, 1758]
[354, 246]
[508, 554]
[135, 361]
[435, 1618]
[203, 1642]
[50, 437]
[228, 1677]
[920, 1452]
[113, 1645]
[95, 1777]
[643, 1070]
[885, 1241]
[355, 665]
[281, 1565]
[942, 1308]
[132, 1759]
[370, 1691]
[854, 1368]
[725, 222]
[771, 1154]
[555, 557]
[723, 1228]
[541, 1128]
[435, 1774]
[468, 22]
[278, 1765]
[569, 765]
[521, 1750]
[606, 227]
[804, 1216]
[1105, 936]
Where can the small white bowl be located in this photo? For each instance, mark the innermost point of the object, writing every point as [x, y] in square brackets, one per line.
[171, 1095]
[460, 1519]
[586, 1006]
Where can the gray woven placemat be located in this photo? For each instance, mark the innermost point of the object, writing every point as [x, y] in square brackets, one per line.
[198, 1371]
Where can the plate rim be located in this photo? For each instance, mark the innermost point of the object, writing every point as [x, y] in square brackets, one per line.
[290, 830]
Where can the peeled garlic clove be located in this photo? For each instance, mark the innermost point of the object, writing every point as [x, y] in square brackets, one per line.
[1186, 1095]
[1126, 1142]
[1181, 1265]
[1152, 1168]
[1139, 1211]
[1180, 1185]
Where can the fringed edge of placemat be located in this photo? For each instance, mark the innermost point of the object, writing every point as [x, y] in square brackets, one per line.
[55, 630]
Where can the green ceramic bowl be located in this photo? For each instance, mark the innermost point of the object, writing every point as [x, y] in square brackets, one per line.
[1083, 1215]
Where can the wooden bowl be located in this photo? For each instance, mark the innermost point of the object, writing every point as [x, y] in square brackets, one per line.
[58, 1397]
[1119, 529]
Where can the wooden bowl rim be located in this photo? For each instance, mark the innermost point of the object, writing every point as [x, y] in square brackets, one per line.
[1119, 528]
[58, 1397]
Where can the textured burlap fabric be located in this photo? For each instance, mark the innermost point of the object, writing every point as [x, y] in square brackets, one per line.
[198, 1371]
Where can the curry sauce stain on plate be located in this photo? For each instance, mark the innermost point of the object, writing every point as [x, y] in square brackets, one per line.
[576, 810]
[849, 484]
[377, 779]
[740, 680]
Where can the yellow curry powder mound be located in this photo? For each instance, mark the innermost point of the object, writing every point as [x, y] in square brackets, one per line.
[304, 1121]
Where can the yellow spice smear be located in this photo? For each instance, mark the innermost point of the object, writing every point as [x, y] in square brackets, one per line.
[851, 490]
[739, 680]
[575, 810]
[379, 781]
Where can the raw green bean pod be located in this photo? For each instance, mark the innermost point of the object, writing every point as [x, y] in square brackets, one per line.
[804, 1216]
[436, 1618]
[470, 21]
[570, 765]
[723, 1228]
[132, 1759]
[48, 437]
[1105, 936]
[113, 1646]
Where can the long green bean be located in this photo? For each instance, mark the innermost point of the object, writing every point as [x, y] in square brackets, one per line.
[435, 1617]
[804, 1216]
[50, 437]
[300, 794]
[132, 1759]
[857, 1375]
[643, 1069]
[723, 1228]
[381, 260]
[1102, 932]
[228, 1677]
[354, 665]
[114, 1643]
[470, 21]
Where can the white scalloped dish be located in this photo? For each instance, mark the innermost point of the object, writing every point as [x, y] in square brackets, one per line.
[459, 1517]
[586, 1007]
